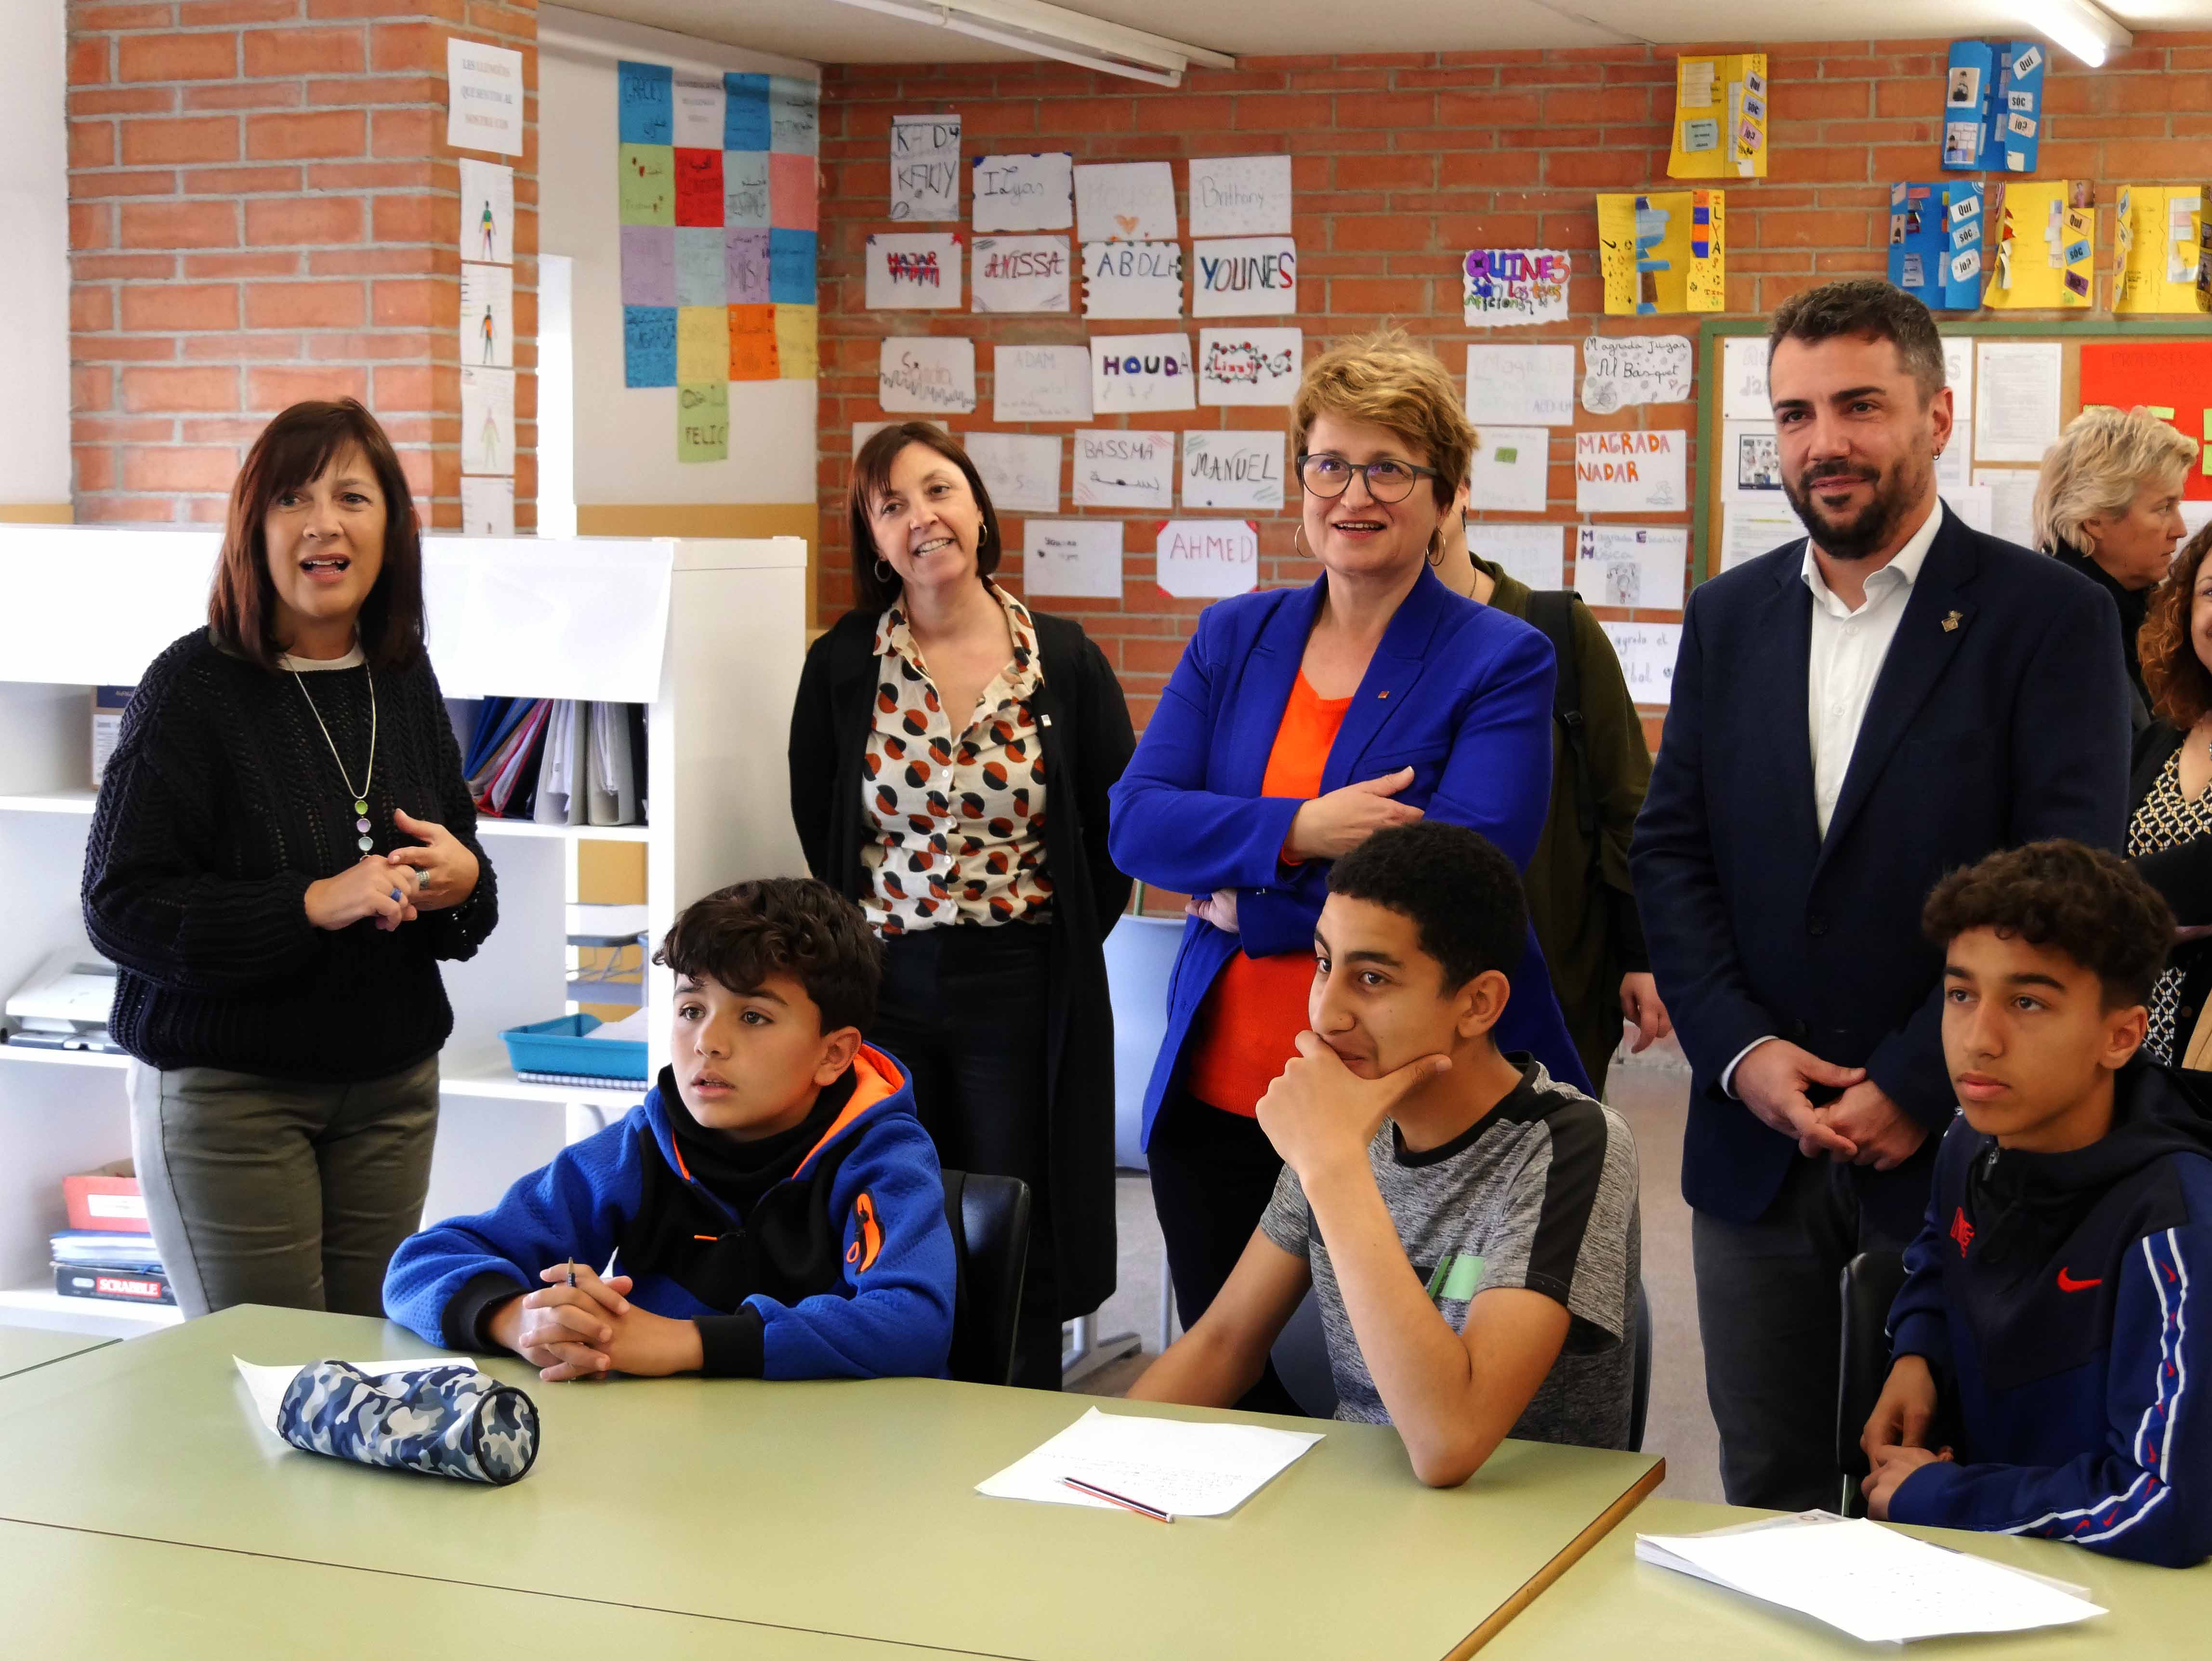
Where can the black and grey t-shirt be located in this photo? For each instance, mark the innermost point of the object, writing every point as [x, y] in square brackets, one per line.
[1539, 1193]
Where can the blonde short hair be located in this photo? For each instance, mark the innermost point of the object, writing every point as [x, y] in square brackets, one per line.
[2100, 461]
[1385, 380]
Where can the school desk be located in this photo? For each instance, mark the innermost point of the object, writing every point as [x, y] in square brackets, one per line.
[1608, 1603]
[24, 1348]
[841, 1508]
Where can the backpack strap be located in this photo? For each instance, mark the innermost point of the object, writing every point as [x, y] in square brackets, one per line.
[1552, 610]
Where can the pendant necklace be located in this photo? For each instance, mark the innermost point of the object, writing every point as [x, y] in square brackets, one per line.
[360, 796]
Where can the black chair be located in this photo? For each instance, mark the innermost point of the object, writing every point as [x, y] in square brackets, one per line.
[1871, 1282]
[990, 1220]
[1639, 1389]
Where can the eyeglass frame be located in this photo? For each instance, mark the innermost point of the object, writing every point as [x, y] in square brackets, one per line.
[1364, 469]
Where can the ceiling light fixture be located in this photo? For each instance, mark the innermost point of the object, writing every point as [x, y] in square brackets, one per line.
[2077, 26]
[1053, 32]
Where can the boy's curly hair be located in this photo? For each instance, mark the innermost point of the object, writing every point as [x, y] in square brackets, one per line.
[795, 926]
[2087, 903]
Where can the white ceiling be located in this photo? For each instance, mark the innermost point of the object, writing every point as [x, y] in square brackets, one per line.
[828, 33]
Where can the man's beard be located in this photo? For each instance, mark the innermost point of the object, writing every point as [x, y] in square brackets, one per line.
[1894, 495]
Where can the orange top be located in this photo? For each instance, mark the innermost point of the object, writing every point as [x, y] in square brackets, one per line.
[1255, 1009]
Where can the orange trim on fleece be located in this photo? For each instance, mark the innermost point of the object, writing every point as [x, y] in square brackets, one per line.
[875, 1078]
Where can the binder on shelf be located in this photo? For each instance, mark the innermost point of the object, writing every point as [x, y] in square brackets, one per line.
[558, 761]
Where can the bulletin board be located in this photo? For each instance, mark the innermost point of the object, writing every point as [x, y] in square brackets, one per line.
[2175, 341]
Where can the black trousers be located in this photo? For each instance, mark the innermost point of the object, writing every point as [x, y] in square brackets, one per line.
[1213, 1175]
[967, 1009]
[1770, 1311]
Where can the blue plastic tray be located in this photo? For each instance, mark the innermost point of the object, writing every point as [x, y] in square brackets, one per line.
[559, 1046]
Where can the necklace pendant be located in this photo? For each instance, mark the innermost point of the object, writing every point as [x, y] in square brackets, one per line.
[364, 843]
[361, 807]
[361, 825]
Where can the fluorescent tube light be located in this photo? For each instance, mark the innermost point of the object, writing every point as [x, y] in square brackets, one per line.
[1047, 31]
[2077, 26]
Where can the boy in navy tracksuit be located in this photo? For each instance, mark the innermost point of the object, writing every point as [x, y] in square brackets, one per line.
[775, 1206]
[2053, 1341]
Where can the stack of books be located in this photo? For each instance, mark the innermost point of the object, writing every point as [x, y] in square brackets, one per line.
[108, 1251]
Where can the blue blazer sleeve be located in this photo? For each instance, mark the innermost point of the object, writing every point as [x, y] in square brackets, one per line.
[895, 1317]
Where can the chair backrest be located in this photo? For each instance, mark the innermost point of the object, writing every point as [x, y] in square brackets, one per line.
[1871, 1282]
[1301, 1359]
[1140, 954]
[1639, 1395]
[990, 1221]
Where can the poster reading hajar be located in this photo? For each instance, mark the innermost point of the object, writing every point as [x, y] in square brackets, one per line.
[1506, 287]
[1132, 279]
[1245, 277]
[930, 373]
[1207, 558]
[1250, 366]
[1141, 372]
[1232, 469]
[913, 270]
[1022, 193]
[1019, 274]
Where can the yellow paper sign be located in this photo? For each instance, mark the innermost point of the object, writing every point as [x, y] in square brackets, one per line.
[2044, 255]
[1663, 252]
[796, 356]
[2161, 230]
[1720, 117]
[702, 344]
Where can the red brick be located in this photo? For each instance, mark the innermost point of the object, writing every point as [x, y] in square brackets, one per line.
[92, 387]
[245, 95]
[176, 56]
[134, 267]
[88, 57]
[1284, 112]
[303, 304]
[94, 467]
[428, 302]
[277, 221]
[298, 138]
[410, 218]
[87, 185]
[175, 467]
[123, 347]
[382, 262]
[92, 143]
[179, 225]
[205, 139]
[411, 386]
[238, 182]
[377, 89]
[273, 389]
[242, 265]
[204, 14]
[148, 306]
[261, 347]
[150, 389]
[93, 19]
[379, 176]
[409, 45]
[120, 100]
[303, 51]
[220, 429]
[404, 133]
[91, 308]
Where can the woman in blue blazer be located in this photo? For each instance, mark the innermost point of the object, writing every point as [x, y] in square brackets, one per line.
[1300, 722]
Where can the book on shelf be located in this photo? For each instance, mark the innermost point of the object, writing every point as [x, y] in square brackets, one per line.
[120, 1268]
[554, 761]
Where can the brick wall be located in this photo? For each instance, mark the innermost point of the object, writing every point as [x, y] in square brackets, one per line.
[1402, 163]
[262, 209]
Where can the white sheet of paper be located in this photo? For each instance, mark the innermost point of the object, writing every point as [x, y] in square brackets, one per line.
[1141, 372]
[1115, 468]
[1630, 566]
[1635, 472]
[1512, 471]
[1877, 1584]
[927, 374]
[1974, 504]
[1647, 652]
[1959, 376]
[1749, 529]
[913, 270]
[1232, 469]
[1020, 470]
[487, 507]
[1041, 383]
[488, 315]
[1622, 370]
[1250, 366]
[1133, 201]
[1520, 385]
[267, 1385]
[1183, 1467]
[699, 114]
[1019, 274]
[487, 421]
[1132, 279]
[1078, 558]
[1022, 193]
[2012, 503]
[1240, 196]
[2016, 399]
[487, 211]
[1751, 463]
[1204, 559]
[1510, 288]
[1743, 379]
[1537, 554]
[1247, 276]
[483, 93]
[925, 167]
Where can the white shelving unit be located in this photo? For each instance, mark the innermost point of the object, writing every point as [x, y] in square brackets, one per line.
[708, 634]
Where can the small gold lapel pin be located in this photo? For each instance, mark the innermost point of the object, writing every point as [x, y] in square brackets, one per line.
[1951, 622]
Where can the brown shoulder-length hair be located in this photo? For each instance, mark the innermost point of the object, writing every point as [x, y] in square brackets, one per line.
[292, 451]
[2179, 685]
[872, 481]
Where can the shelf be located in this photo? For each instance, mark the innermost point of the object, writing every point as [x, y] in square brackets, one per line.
[461, 1073]
[50, 801]
[97, 1317]
[82, 801]
[37, 1055]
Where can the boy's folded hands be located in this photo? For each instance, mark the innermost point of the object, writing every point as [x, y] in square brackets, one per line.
[591, 1329]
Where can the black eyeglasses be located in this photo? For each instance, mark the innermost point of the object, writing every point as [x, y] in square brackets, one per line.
[1386, 481]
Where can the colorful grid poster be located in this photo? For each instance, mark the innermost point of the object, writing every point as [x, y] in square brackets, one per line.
[718, 227]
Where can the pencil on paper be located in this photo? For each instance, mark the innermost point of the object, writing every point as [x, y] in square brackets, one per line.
[1121, 1500]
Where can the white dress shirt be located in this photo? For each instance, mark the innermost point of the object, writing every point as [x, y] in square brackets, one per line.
[1848, 650]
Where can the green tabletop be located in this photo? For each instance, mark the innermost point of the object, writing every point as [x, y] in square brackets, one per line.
[1608, 1603]
[24, 1348]
[836, 1507]
[68, 1593]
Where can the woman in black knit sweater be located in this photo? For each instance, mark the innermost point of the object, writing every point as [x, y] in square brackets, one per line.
[283, 849]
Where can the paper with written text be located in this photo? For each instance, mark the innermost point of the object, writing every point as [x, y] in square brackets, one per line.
[1858, 1577]
[267, 1385]
[1185, 1468]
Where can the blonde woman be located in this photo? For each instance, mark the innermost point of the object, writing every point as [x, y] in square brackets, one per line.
[2108, 503]
[1299, 722]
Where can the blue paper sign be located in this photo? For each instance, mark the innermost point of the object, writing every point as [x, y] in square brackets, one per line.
[744, 113]
[791, 266]
[649, 345]
[646, 94]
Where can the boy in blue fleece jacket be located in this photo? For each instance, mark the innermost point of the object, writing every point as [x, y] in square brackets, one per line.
[2053, 1352]
[775, 1206]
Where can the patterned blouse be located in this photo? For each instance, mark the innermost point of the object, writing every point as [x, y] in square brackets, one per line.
[958, 819]
[2165, 821]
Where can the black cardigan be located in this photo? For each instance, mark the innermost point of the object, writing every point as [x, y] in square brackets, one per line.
[2182, 875]
[1084, 725]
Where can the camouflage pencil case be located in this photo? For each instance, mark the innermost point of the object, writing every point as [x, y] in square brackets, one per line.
[449, 1419]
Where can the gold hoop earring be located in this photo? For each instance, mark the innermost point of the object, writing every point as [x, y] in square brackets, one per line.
[1298, 542]
[884, 572]
[1436, 549]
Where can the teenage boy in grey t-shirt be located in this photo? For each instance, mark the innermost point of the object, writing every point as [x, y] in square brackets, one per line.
[1468, 1225]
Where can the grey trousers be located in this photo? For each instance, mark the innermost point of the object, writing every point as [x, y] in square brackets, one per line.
[1770, 1315]
[271, 1192]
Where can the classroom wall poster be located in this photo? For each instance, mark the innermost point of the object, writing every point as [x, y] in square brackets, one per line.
[487, 421]
[1233, 470]
[1629, 566]
[1634, 472]
[1665, 252]
[702, 420]
[927, 374]
[1117, 468]
[1246, 277]
[1019, 274]
[1240, 196]
[1535, 554]
[1511, 471]
[484, 97]
[2173, 378]
[925, 167]
[1749, 529]
[2045, 252]
[1141, 372]
[1131, 279]
[1743, 379]
[1720, 117]
[1207, 558]
[1621, 371]
[1250, 366]
[1040, 383]
[487, 507]
[1022, 193]
[2155, 267]
[1993, 105]
[1128, 201]
[1504, 288]
[1935, 242]
[1647, 652]
[487, 232]
[488, 315]
[1520, 385]
[1020, 470]
[913, 270]
[1075, 558]
[1751, 465]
